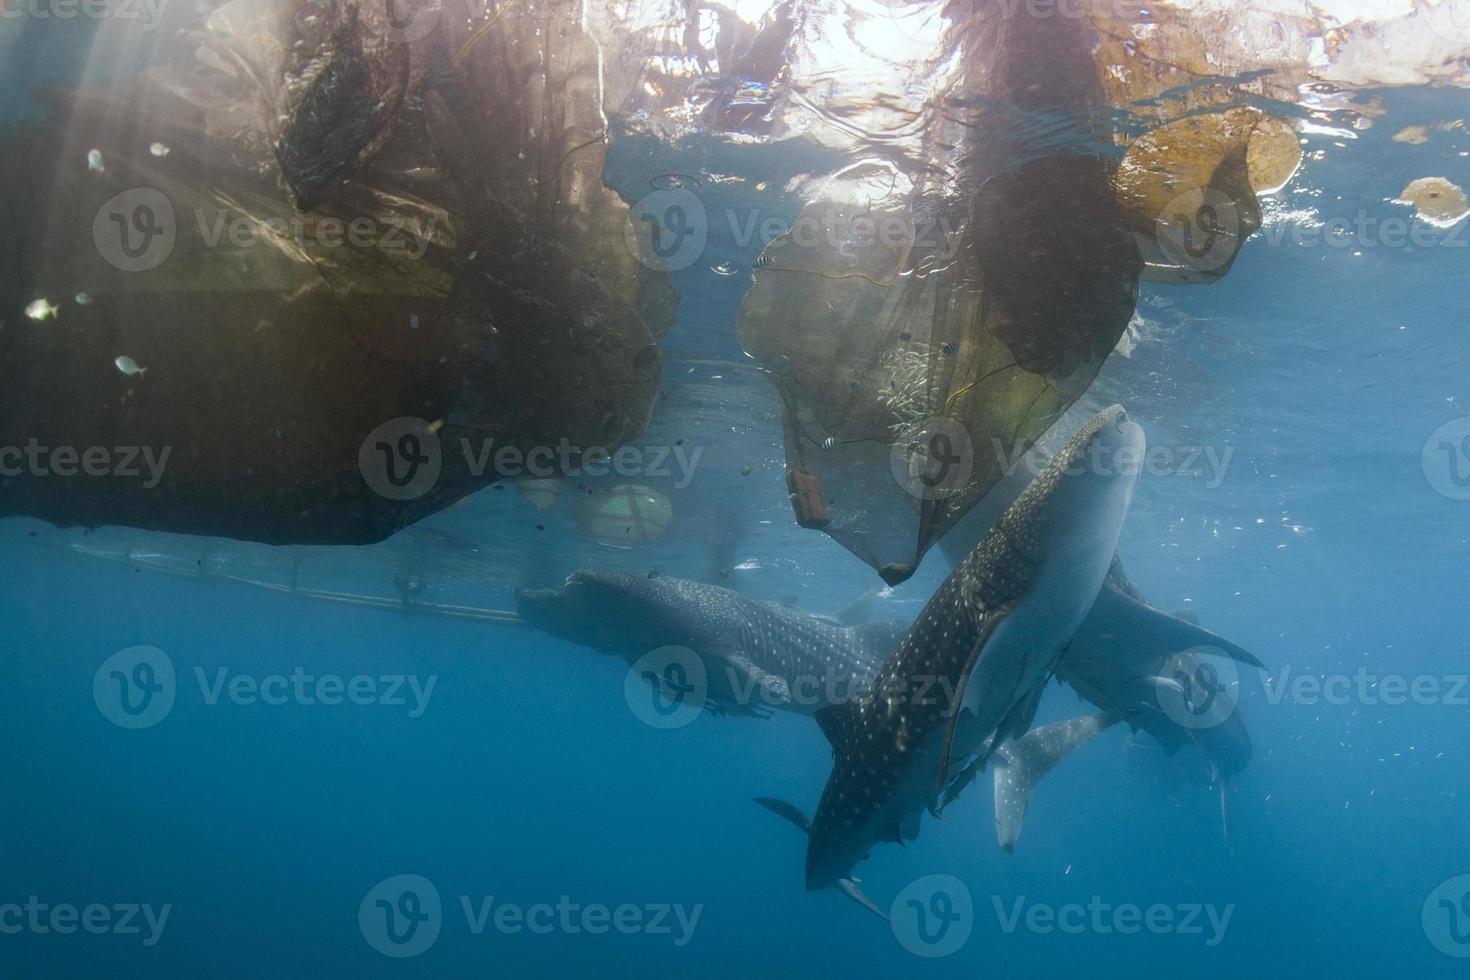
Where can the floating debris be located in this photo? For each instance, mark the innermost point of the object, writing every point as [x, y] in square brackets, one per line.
[159, 150]
[94, 162]
[724, 269]
[745, 471]
[1413, 135]
[83, 299]
[413, 321]
[42, 309]
[128, 366]
[1436, 201]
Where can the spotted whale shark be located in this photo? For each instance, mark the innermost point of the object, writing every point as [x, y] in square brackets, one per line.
[758, 655]
[990, 637]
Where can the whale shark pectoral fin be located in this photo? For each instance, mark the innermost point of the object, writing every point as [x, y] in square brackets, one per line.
[786, 811]
[859, 611]
[1157, 634]
[1031, 757]
[838, 723]
[952, 792]
[1165, 683]
[849, 887]
[773, 688]
[993, 619]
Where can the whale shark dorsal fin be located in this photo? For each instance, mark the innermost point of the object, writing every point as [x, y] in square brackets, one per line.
[1025, 760]
[1159, 634]
[786, 811]
[993, 619]
[839, 722]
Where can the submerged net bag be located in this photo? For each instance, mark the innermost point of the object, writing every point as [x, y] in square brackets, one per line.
[324, 263]
[924, 325]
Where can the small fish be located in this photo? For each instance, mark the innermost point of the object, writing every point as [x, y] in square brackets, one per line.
[94, 161]
[951, 349]
[128, 366]
[905, 336]
[159, 150]
[653, 573]
[413, 321]
[42, 309]
[83, 299]
[745, 471]
[763, 261]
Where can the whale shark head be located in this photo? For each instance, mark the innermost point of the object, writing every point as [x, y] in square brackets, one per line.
[1073, 511]
[612, 612]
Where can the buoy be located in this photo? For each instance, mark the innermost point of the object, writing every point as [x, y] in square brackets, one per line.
[806, 498]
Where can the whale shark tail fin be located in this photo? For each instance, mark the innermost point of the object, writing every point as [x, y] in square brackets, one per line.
[851, 886]
[1022, 762]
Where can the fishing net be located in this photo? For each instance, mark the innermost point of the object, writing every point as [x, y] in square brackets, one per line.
[345, 249]
[924, 325]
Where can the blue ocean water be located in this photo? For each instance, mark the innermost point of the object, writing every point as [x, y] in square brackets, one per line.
[1332, 543]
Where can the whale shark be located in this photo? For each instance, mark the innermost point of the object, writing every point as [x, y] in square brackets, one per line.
[989, 639]
[758, 655]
